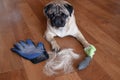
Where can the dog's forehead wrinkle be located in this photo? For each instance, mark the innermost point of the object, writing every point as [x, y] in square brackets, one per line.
[58, 8]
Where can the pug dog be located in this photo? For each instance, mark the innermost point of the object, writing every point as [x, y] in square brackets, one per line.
[61, 22]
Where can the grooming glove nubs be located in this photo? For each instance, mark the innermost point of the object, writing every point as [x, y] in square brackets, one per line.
[28, 50]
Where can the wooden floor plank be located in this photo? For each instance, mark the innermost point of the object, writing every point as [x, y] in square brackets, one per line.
[8, 60]
[72, 76]
[94, 71]
[109, 59]
[14, 75]
[105, 25]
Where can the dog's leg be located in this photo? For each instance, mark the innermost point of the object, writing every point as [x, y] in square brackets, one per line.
[81, 38]
[52, 41]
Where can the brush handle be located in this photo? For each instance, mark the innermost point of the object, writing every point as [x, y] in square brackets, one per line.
[84, 63]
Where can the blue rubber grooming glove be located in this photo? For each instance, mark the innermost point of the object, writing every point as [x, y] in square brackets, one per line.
[28, 50]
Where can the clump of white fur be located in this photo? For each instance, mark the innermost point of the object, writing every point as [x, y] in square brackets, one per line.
[62, 60]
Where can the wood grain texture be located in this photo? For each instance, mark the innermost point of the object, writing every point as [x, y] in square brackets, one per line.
[98, 20]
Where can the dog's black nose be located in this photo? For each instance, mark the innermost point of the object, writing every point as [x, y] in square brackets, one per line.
[58, 22]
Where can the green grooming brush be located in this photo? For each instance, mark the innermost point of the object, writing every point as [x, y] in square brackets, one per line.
[90, 50]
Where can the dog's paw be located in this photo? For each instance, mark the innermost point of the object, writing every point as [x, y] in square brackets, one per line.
[56, 48]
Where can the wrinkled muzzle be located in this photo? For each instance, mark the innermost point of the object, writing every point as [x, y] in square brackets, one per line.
[58, 21]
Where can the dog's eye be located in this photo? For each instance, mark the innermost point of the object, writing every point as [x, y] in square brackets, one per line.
[63, 15]
[50, 11]
[51, 15]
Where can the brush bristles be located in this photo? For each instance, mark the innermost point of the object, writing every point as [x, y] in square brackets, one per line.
[62, 60]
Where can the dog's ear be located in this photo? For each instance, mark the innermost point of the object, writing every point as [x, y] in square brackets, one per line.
[47, 8]
[69, 8]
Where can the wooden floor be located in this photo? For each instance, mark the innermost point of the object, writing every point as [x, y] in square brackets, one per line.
[98, 20]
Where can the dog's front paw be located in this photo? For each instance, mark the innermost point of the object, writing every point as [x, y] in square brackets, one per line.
[55, 47]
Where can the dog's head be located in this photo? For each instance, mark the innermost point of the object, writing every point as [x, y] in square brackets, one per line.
[58, 12]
